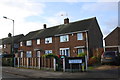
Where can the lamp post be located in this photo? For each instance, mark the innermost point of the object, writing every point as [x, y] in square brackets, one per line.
[12, 47]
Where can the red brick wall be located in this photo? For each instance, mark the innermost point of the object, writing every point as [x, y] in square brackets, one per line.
[56, 45]
[7, 49]
[98, 52]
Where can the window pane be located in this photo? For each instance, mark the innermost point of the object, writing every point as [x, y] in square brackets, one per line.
[38, 41]
[4, 46]
[38, 54]
[80, 51]
[21, 44]
[79, 36]
[21, 54]
[48, 40]
[48, 51]
[29, 43]
[28, 54]
[64, 51]
[64, 38]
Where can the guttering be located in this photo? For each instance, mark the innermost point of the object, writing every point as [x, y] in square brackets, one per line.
[71, 33]
[112, 46]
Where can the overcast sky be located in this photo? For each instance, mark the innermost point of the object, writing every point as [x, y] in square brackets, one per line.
[30, 15]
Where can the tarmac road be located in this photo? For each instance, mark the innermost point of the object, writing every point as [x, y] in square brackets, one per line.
[9, 75]
[104, 74]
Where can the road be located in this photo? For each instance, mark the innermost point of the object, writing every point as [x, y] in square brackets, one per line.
[9, 75]
[103, 72]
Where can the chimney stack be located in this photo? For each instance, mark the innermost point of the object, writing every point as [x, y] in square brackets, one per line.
[9, 35]
[44, 26]
[66, 20]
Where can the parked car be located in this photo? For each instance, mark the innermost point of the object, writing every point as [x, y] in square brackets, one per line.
[110, 57]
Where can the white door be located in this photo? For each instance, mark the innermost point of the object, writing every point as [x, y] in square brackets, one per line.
[38, 54]
[65, 51]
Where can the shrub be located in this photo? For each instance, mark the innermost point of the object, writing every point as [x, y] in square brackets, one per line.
[93, 60]
[81, 55]
[50, 55]
[58, 60]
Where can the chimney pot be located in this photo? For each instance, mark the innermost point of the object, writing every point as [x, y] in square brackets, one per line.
[45, 26]
[66, 20]
[9, 35]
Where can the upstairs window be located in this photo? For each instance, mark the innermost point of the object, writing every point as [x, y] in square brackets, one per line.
[64, 38]
[38, 41]
[5, 46]
[48, 40]
[48, 51]
[29, 54]
[29, 43]
[1, 46]
[79, 36]
[21, 43]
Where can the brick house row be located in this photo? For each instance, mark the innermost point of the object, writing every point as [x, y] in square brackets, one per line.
[69, 39]
[6, 43]
[112, 40]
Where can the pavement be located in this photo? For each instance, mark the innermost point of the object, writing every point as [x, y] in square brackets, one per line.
[36, 73]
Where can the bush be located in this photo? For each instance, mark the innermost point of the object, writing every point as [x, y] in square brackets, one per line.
[7, 61]
[58, 60]
[81, 55]
[93, 60]
[51, 55]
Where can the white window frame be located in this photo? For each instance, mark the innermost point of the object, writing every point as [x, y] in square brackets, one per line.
[21, 54]
[63, 50]
[21, 43]
[38, 41]
[48, 51]
[79, 36]
[81, 49]
[64, 38]
[5, 46]
[48, 40]
[29, 42]
[1, 46]
[28, 54]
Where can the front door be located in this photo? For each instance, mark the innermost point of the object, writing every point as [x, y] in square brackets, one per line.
[65, 51]
[38, 58]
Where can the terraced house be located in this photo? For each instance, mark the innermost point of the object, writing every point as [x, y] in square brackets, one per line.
[69, 39]
[8, 42]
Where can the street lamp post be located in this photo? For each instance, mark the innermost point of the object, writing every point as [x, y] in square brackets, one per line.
[12, 47]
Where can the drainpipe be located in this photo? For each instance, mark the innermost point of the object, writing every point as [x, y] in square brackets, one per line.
[87, 46]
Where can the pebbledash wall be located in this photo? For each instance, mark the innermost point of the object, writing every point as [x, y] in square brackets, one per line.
[78, 37]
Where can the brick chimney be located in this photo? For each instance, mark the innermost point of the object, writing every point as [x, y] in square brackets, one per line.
[44, 26]
[66, 20]
[9, 35]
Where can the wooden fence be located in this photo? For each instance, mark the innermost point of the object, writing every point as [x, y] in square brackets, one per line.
[40, 63]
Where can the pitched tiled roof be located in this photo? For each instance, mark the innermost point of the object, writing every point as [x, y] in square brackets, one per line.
[60, 29]
[8, 40]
